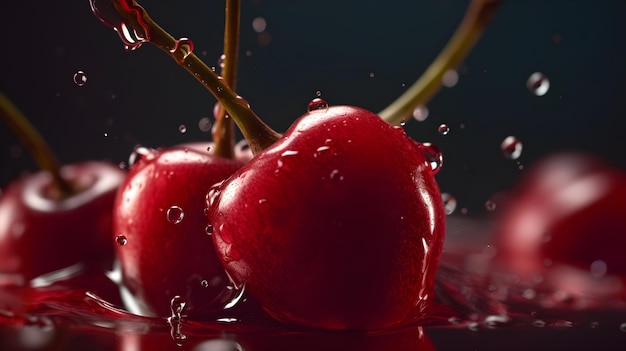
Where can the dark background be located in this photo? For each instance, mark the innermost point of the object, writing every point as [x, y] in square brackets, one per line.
[142, 97]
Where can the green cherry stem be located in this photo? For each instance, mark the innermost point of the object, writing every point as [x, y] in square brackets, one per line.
[34, 142]
[474, 23]
[258, 134]
[223, 133]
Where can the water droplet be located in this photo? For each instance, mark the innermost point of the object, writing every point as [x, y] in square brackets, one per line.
[449, 203]
[204, 283]
[371, 74]
[420, 113]
[212, 194]
[177, 305]
[80, 78]
[221, 61]
[450, 78]
[204, 124]
[434, 156]
[622, 327]
[490, 205]
[182, 49]
[598, 268]
[443, 129]
[317, 104]
[208, 229]
[539, 323]
[121, 240]
[494, 321]
[538, 84]
[336, 175]
[318, 93]
[511, 147]
[402, 122]
[127, 20]
[139, 153]
[529, 294]
[454, 320]
[175, 214]
[259, 24]
[473, 326]
[594, 324]
[182, 129]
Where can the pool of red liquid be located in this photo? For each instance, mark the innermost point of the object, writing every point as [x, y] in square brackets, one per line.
[479, 306]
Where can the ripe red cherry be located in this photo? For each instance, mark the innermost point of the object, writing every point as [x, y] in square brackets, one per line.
[337, 225]
[568, 209]
[42, 231]
[160, 228]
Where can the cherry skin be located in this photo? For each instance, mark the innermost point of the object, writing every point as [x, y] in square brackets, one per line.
[338, 225]
[41, 231]
[160, 228]
[568, 209]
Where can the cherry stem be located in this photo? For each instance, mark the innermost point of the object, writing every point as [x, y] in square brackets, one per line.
[258, 134]
[34, 142]
[223, 133]
[474, 23]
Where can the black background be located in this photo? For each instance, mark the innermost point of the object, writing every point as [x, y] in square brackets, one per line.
[332, 47]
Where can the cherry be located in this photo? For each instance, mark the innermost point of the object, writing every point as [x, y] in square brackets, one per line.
[338, 225]
[568, 209]
[57, 217]
[160, 228]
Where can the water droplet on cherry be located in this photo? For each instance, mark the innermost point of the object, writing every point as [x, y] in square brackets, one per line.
[80, 78]
[420, 113]
[175, 214]
[511, 147]
[538, 84]
[443, 129]
[336, 175]
[539, 323]
[139, 153]
[449, 203]
[434, 156]
[317, 104]
[208, 229]
[121, 240]
[204, 283]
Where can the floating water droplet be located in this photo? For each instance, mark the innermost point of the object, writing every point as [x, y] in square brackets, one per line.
[128, 21]
[204, 124]
[511, 147]
[259, 24]
[538, 84]
[434, 156]
[317, 104]
[208, 229]
[204, 283]
[175, 214]
[450, 78]
[449, 203]
[490, 205]
[182, 129]
[177, 305]
[443, 129]
[80, 78]
[318, 93]
[598, 268]
[371, 74]
[121, 239]
[420, 113]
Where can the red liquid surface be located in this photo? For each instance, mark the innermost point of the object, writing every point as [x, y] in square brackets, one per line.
[479, 307]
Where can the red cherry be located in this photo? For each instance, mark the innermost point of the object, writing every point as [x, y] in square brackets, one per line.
[160, 228]
[568, 209]
[337, 225]
[41, 232]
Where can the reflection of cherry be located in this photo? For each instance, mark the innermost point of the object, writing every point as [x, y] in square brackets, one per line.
[57, 217]
[160, 228]
[569, 208]
[337, 225]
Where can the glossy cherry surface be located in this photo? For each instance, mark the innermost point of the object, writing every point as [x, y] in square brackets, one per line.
[42, 231]
[160, 229]
[338, 225]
